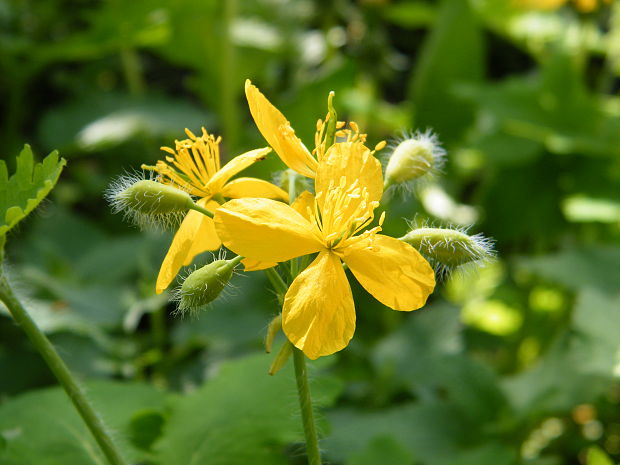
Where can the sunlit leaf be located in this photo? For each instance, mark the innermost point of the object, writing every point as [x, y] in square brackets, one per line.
[27, 187]
[242, 415]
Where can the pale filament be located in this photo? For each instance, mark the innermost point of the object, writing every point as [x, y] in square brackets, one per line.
[346, 210]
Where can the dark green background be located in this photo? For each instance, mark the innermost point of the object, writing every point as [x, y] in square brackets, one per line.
[517, 362]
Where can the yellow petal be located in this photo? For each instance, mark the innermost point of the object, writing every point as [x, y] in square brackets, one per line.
[252, 187]
[391, 270]
[318, 315]
[277, 131]
[264, 230]
[354, 161]
[195, 235]
[234, 166]
[302, 203]
[254, 265]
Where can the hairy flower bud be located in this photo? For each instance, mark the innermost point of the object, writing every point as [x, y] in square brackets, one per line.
[147, 202]
[205, 284]
[448, 249]
[414, 157]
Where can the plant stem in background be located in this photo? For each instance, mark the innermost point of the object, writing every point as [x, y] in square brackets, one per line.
[61, 372]
[229, 78]
[305, 405]
[277, 282]
[132, 71]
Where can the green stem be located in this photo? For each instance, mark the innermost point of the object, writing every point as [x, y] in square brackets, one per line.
[198, 208]
[229, 77]
[305, 404]
[292, 194]
[277, 281]
[131, 68]
[61, 372]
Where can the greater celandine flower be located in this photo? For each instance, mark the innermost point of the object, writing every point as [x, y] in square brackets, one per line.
[318, 314]
[194, 166]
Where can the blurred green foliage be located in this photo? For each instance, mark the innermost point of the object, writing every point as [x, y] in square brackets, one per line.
[515, 363]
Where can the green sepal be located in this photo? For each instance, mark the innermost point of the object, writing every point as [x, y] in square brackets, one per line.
[23, 191]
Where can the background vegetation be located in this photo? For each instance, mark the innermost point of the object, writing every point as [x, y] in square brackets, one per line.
[516, 363]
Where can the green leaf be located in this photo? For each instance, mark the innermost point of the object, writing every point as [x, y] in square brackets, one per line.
[432, 432]
[145, 427]
[453, 55]
[24, 190]
[382, 450]
[580, 364]
[243, 415]
[105, 120]
[597, 457]
[43, 427]
[591, 267]
[411, 15]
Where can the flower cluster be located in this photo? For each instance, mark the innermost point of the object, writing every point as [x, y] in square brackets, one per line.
[336, 225]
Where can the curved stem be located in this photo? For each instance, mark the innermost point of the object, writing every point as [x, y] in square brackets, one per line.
[61, 372]
[198, 208]
[305, 404]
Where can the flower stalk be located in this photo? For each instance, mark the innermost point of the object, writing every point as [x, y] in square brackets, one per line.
[61, 372]
[305, 405]
[301, 378]
[198, 208]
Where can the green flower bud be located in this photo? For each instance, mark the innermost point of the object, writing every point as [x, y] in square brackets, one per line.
[272, 331]
[283, 355]
[147, 202]
[447, 249]
[413, 158]
[205, 284]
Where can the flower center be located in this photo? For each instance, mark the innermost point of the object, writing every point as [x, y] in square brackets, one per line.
[342, 211]
[193, 162]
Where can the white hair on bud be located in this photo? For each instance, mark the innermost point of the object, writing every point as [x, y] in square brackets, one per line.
[469, 252]
[193, 299]
[427, 139]
[143, 218]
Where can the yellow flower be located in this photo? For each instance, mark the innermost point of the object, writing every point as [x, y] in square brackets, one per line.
[278, 132]
[318, 315]
[582, 5]
[194, 166]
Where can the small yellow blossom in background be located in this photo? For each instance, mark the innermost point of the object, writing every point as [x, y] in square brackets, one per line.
[318, 314]
[194, 166]
[585, 6]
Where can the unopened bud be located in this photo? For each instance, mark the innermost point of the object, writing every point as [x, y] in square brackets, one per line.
[413, 158]
[448, 249]
[272, 331]
[147, 202]
[283, 355]
[205, 284]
